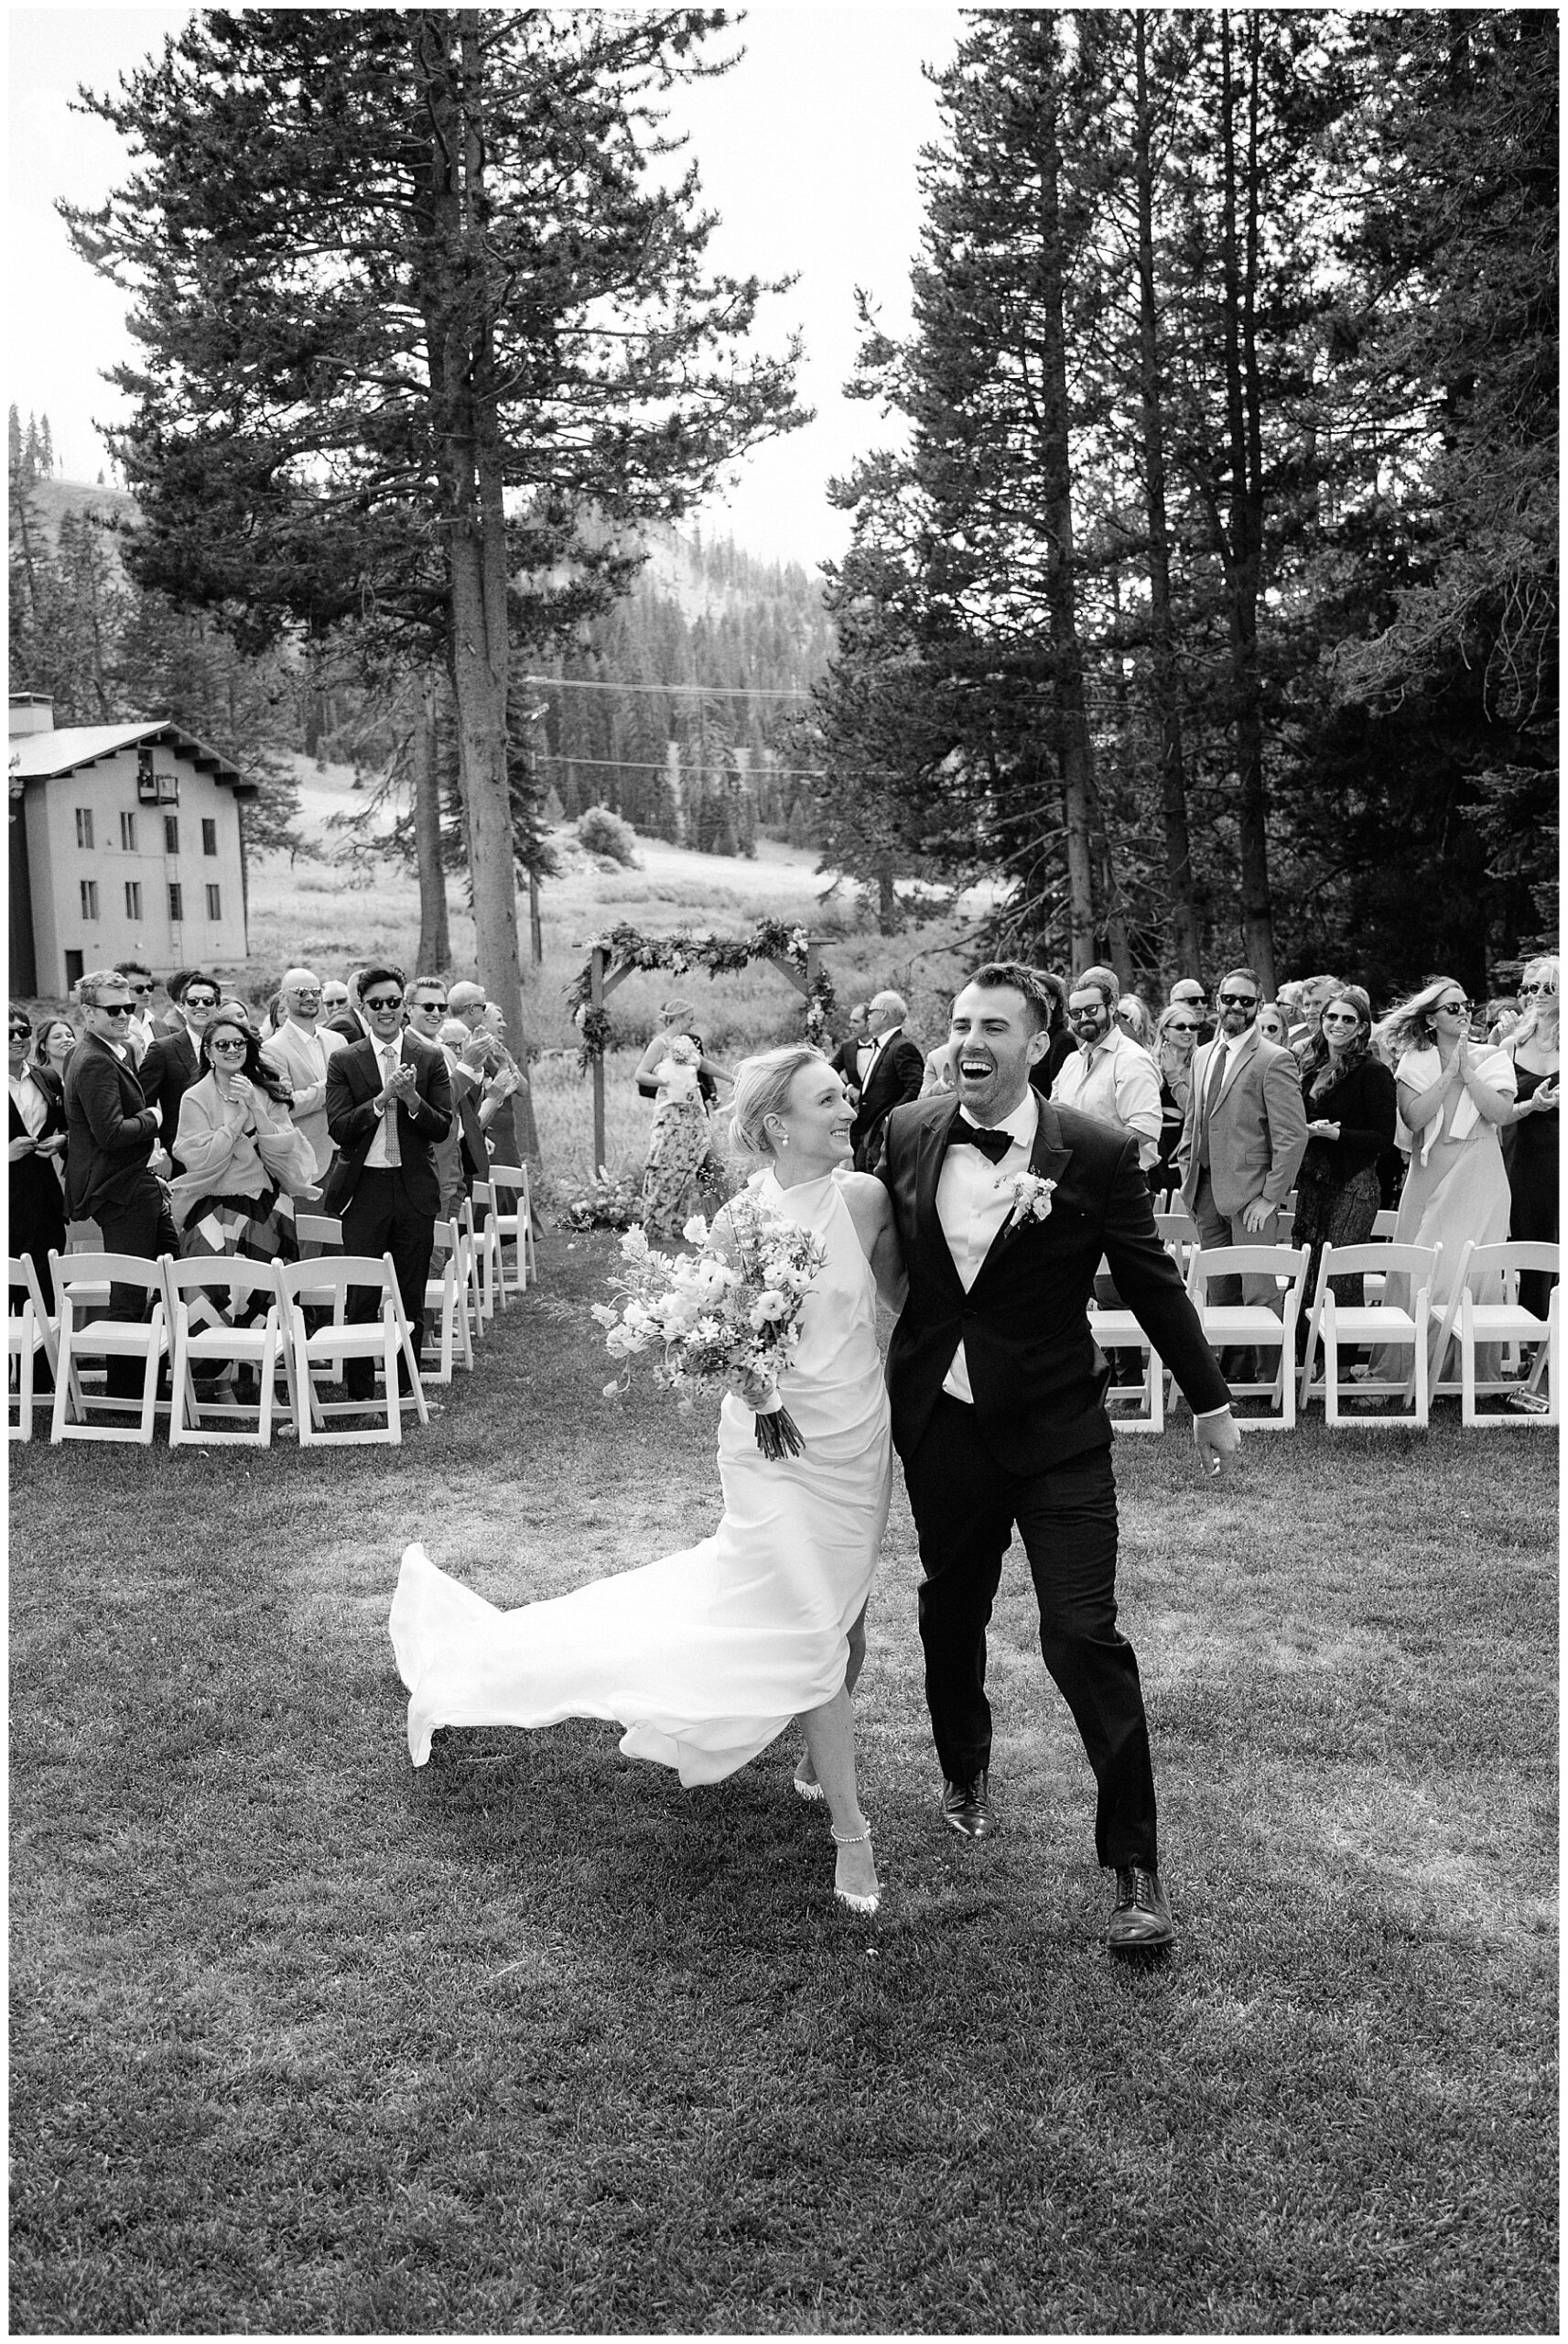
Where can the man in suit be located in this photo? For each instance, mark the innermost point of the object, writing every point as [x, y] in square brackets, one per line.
[1242, 1142]
[892, 1076]
[462, 1157]
[348, 1017]
[1004, 1204]
[111, 1131]
[388, 1101]
[300, 1050]
[853, 1054]
[139, 980]
[173, 1058]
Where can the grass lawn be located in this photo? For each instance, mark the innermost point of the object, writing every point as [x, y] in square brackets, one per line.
[303, 2040]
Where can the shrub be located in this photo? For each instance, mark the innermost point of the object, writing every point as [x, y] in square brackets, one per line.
[602, 832]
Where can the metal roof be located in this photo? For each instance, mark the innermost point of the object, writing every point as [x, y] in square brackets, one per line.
[45, 756]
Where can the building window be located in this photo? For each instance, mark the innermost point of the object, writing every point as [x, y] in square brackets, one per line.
[128, 832]
[133, 899]
[176, 904]
[214, 903]
[84, 826]
[171, 834]
[209, 837]
[90, 900]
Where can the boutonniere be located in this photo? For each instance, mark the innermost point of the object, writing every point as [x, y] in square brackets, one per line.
[1030, 1199]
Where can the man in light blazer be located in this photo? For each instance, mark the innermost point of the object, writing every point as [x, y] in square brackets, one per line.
[1243, 1140]
[301, 1050]
[389, 1099]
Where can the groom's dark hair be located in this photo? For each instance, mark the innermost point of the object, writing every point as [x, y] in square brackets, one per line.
[1019, 978]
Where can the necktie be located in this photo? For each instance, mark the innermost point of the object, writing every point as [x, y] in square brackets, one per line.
[993, 1145]
[389, 1118]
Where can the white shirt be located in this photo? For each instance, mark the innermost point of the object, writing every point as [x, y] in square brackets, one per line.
[1116, 1082]
[376, 1157]
[971, 1209]
[32, 1101]
[877, 1043]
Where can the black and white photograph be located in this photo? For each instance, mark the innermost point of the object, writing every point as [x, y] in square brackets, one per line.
[785, 1345]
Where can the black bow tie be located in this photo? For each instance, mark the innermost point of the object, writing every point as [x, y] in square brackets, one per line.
[992, 1144]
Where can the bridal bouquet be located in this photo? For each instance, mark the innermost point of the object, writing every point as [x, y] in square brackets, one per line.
[710, 1322]
[677, 1071]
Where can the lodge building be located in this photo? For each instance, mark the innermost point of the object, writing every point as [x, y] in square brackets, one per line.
[124, 842]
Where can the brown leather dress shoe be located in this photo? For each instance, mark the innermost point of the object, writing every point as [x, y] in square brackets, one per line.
[1140, 1917]
[965, 1808]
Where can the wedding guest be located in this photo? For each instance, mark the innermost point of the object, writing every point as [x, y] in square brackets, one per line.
[1175, 1039]
[55, 1042]
[139, 979]
[853, 1053]
[683, 1079]
[1499, 1017]
[112, 1130]
[37, 1148]
[1273, 1027]
[1133, 1017]
[940, 1074]
[892, 1076]
[1348, 1097]
[1452, 1097]
[334, 1001]
[1529, 1137]
[1109, 1075]
[345, 1016]
[1060, 1039]
[174, 1061]
[464, 1052]
[240, 1151]
[1188, 992]
[1311, 994]
[300, 1050]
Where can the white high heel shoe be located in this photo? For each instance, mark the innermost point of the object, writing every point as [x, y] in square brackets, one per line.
[803, 1789]
[855, 1904]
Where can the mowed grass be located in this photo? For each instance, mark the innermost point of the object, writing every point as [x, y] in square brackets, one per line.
[303, 2040]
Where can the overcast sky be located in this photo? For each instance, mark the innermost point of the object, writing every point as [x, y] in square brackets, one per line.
[807, 150]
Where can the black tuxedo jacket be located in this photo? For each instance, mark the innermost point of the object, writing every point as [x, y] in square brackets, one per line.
[353, 1081]
[895, 1077]
[169, 1067]
[110, 1129]
[1038, 1377]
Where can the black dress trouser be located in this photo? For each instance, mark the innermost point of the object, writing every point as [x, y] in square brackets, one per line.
[141, 1225]
[378, 1219]
[966, 1508]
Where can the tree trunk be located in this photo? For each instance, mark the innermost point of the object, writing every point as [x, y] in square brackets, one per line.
[1076, 754]
[1244, 564]
[1186, 940]
[434, 941]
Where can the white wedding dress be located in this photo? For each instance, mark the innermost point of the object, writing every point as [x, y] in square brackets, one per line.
[704, 1656]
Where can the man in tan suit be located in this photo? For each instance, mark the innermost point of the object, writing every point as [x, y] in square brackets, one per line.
[1244, 1136]
[300, 1050]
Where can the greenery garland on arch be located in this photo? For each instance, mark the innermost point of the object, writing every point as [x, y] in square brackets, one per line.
[627, 949]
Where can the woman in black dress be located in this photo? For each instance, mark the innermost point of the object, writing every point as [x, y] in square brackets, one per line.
[38, 1150]
[1529, 1137]
[1175, 1040]
[1350, 1102]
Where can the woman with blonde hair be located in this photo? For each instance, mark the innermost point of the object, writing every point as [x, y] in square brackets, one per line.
[1175, 1039]
[1454, 1098]
[674, 1072]
[1529, 1137]
[706, 1656]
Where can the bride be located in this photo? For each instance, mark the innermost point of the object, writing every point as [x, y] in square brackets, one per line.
[706, 1655]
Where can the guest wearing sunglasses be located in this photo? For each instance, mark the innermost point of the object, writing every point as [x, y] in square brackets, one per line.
[389, 1100]
[240, 1152]
[1176, 1036]
[112, 1130]
[143, 1033]
[1529, 1137]
[1349, 1096]
[1272, 1026]
[301, 1050]
[1454, 1095]
[174, 1061]
[37, 1147]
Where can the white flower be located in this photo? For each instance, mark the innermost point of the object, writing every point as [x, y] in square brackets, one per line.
[603, 1313]
[770, 1304]
[635, 1316]
[612, 1389]
[696, 1230]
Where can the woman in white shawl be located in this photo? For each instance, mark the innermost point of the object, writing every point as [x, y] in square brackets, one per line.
[1452, 1095]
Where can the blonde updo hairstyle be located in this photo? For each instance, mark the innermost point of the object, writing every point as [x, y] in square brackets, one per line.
[762, 1085]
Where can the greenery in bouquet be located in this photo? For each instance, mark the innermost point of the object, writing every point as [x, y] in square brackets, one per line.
[728, 1318]
[609, 1200]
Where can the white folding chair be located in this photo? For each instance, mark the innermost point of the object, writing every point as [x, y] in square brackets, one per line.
[318, 1232]
[202, 1293]
[446, 1295]
[1115, 1329]
[1178, 1233]
[1253, 1326]
[324, 1285]
[82, 1282]
[469, 1266]
[515, 1228]
[29, 1330]
[487, 1244]
[1399, 1325]
[1386, 1221]
[1473, 1322]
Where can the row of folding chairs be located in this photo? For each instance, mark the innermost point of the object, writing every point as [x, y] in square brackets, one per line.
[283, 1324]
[1397, 1316]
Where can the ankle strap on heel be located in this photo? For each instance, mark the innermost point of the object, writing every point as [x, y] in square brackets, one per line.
[850, 1839]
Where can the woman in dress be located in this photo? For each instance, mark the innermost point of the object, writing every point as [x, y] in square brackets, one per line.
[37, 1154]
[1452, 1097]
[1529, 1137]
[705, 1656]
[1348, 1095]
[1175, 1039]
[676, 1072]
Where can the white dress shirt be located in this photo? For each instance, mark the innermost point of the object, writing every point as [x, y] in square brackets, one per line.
[971, 1208]
[1116, 1082]
[32, 1101]
[382, 1153]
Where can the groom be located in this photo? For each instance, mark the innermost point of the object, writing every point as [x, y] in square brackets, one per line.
[1004, 1205]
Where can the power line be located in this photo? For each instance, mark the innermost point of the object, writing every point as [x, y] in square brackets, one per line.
[702, 691]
